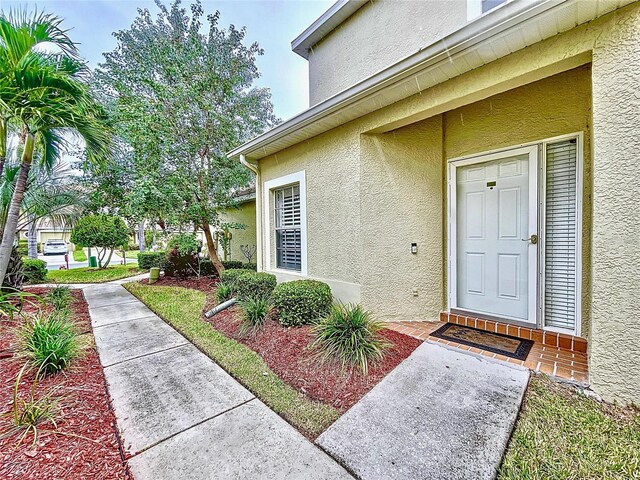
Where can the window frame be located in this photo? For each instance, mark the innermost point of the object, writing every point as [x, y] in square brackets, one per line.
[281, 231]
[269, 216]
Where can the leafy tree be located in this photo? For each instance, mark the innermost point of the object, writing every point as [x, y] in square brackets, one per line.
[47, 95]
[182, 96]
[103, 231]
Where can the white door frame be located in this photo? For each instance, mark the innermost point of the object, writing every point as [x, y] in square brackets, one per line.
[532, 151]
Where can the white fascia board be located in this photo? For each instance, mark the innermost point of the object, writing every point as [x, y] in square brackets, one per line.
[327, 22]
[468, 39]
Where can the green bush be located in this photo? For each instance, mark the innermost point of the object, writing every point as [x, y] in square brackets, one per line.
[34, 270]
[104, 232]
[23, 248]
[207, 269]
[232, 264]
[49, 342]
[223, 292]
[349, 336]
[147, 260]
[231, 276]
[254, 313]
[254, 285]
[302, 302]
[183, 244]
[250, 266]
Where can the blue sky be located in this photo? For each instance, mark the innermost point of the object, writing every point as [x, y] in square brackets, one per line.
[273, 24]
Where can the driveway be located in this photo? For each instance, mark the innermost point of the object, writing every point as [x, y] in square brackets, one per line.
[54, 262]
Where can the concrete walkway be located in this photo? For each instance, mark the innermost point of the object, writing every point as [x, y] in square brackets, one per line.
[180, 415]
[441, 414]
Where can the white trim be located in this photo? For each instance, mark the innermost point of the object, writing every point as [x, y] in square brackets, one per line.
[474, 9]
[451, 243]
[532, 152]
[325, 24]
[300, 179]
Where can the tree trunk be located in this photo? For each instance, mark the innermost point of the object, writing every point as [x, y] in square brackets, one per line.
[4, 132]
[211, 247]
[108, 259]
[9, 234]
[141, 239]
[32, 240]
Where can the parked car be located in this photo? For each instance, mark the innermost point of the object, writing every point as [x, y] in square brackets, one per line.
[55, 246]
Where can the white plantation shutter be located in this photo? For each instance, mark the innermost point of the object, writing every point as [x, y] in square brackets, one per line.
[560, 242]
[288, 235]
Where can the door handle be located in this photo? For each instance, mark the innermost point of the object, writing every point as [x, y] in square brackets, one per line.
[533, 239]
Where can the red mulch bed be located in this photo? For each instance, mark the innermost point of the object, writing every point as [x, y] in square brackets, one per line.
[204, 284]
[86, 445]
[285, 351]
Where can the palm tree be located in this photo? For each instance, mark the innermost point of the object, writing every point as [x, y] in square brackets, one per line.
[50, 196]
[20, 35]
[48, 96]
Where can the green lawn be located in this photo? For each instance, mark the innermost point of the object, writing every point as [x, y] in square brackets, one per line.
[182, 308]
[561, 434]
[79, 255]
[131, 254]
[92, 275]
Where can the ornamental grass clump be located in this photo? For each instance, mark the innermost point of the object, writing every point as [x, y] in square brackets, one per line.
[59, 297]
[254, 314]
[224, 291]
[350, 337]
[49, 342]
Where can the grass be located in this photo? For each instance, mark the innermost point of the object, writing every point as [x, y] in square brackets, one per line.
[561, 434]
[92, 275]
[132, 254]
[182, 307]
[79, 255]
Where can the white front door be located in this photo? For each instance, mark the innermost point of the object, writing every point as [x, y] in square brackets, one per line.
[495, 218]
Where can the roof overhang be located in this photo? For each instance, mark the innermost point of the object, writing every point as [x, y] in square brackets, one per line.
[511, 27]
[334, 16]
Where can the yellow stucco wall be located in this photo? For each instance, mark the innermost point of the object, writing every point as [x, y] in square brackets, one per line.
[378, 34]
[245, 214]
[354, 170]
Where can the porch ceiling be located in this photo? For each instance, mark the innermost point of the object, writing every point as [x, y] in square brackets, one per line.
[512, 27]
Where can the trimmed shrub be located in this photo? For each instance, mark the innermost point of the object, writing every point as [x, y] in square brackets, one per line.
[231, 276]
[224, 292]
[302, 302]
[23, 248]
[254, 285]
[206, 268]
[232, 264]
[186, 244]
[350, 337]
[250, 266]
[34, 270]
[179, 265]
[254, 313]
[147, 260]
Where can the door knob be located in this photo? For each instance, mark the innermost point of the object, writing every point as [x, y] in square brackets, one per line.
[533, 239]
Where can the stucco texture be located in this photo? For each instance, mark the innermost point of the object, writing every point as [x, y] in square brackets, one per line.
[378, 34]
[615, 340]
[373, 187]
[245, 215]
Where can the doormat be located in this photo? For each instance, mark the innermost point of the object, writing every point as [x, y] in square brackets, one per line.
[492, 342]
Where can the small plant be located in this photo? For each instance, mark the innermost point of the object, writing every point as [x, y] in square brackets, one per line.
[27, 415]
[12, 301]
[223, 292]
[59, 297]
[254, 285]
[302, 302]
[49, 342]
[349, 336]
[254, 313]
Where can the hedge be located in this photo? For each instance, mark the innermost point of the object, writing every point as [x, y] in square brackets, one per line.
[23, 248]
[302, 302]
[34, 270]
[231, 276]
[148, 260]
[254, 285]
[232, 264]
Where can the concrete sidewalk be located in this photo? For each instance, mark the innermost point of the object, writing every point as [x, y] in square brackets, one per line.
[180, 415]
[441, 414]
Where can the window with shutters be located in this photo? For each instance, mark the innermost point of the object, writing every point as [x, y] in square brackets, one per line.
[288, 235]
[561, 256]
